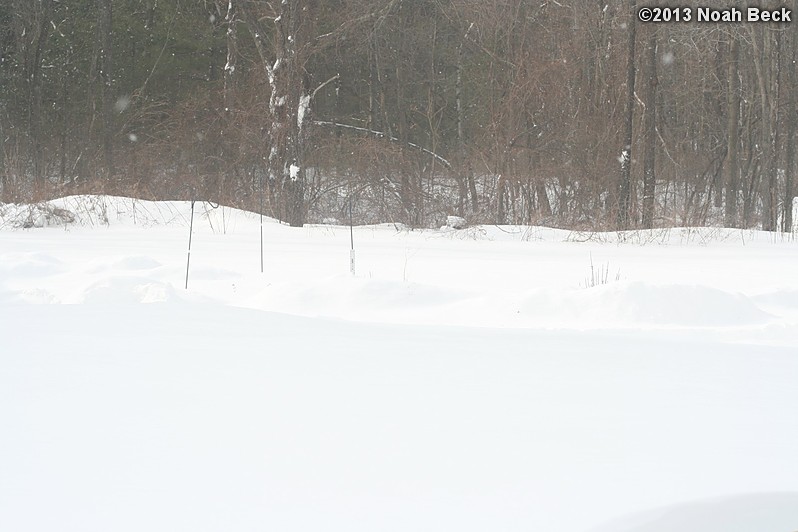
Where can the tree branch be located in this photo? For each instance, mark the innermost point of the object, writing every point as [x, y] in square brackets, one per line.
[381, 134]
[312, 96]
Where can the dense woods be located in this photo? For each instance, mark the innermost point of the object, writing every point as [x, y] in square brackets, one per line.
[568, 113]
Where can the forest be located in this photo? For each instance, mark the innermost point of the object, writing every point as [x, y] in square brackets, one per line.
[563, 113]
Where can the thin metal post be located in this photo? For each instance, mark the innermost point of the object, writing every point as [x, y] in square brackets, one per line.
[351, 240]
[190, 232]
[261, 222]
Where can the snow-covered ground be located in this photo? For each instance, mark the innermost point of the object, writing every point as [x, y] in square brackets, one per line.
[465, 380]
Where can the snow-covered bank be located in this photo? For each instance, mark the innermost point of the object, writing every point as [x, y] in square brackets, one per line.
[462, 380]
[726, 282]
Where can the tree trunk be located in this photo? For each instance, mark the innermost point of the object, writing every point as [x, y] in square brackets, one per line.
[62, 167]
[411, 194]
[649, 126]
[289, 106]
[34, 76]
[771, 191]
[501, 193]
[458, 99]
[717, 110]
[232, 56]
[773, 163]
[732, 133]
[768, 96]
[373, 80]
[466, 181]
[625, 185]
[105, 27]
[789, 174]
[4, 181]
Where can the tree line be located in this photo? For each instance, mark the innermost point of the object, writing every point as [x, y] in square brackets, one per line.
[569, 113]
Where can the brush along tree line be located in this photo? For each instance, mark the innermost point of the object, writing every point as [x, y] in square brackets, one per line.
[570, 113]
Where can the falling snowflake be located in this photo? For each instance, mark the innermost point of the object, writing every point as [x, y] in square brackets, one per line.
[122, 103]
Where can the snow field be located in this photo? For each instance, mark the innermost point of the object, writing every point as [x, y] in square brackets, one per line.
[462, 380]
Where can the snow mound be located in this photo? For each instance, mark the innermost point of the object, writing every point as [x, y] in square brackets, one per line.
[456, 222]
[675, 304]
[31, 296]
[357, 299]
[30, 264]
[129, 262]
[630, 304]
[758, 512]
[92, 211]
[780, 298]
[127, 290]
[38, 215]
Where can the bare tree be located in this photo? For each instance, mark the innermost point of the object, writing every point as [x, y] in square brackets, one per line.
[766, 45]
[289, 101]
[650, 129]
[231, 40]
[625, 184]
[732, 132]
[792, 126]
[31, 34]
[106, 65]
